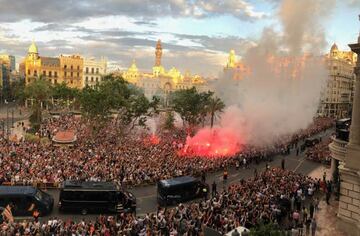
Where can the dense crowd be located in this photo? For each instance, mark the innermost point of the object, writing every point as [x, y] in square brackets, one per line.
[279, 196]
[127, 160]
[320, 152]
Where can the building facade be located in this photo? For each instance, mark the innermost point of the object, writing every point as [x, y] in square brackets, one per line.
[161, 82]
[337, 98]
[93, 71]
[9, 61]
[62, 69]
[348, 156]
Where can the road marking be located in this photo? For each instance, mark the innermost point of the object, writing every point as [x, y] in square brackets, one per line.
[297, 167]
[147, 196]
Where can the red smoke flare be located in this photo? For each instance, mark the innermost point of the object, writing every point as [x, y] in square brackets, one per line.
[216, 142]
[152, 140]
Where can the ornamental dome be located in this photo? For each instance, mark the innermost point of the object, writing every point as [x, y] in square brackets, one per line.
[33, 48]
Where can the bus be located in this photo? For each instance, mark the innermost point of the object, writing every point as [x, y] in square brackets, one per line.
[25, 200]
[180, 189]
[95, 197]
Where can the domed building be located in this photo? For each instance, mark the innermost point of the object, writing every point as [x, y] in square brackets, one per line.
[60, 69]
[160, 82]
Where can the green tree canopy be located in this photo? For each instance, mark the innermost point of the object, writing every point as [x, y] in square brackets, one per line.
[62, 91]
[191, 105]
[115, 94]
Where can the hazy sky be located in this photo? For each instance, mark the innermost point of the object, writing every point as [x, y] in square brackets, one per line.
[196, 34]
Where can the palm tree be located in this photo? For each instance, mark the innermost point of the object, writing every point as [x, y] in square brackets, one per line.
[215, 106]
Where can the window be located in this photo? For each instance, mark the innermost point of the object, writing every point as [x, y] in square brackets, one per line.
[71, 81]
[87, 70]
[92, 70]
[78, 67]
[97, 70]
[71, 74]
[86, 79]
[44, 73]
[50, 73]
[92, 79]
[78, 75]
[55, 81]
[71, 67]
[28, 72]
[55, 74]
[35, 72]
[96, 79]
[65, 66]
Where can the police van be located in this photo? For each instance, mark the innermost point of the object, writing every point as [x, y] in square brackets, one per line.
[180, 189]
[95, 197]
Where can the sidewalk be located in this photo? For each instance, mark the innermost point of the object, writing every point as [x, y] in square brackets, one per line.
[326, 216]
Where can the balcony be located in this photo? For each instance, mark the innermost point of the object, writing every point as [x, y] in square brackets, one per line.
[338, 149]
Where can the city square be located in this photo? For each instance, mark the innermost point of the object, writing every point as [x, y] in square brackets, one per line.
[180, 118]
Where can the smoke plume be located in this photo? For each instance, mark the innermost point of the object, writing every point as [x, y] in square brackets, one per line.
[281, 94]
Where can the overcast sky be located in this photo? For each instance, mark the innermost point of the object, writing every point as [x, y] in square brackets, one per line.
[196, 34]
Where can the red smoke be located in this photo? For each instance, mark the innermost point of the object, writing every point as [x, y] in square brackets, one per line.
[152, 140]
[216, 142]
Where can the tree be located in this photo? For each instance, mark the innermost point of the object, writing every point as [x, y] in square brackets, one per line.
[17, 90]
[38, 90]
[191, 105]
[137, 109]
[115, 94]
[95, 106]
[215, 105]
[169, 120]
[64, 94]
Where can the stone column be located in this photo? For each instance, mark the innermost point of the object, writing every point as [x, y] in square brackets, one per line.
[349, 205]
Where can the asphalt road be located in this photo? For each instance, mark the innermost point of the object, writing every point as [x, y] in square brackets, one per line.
[146, 195]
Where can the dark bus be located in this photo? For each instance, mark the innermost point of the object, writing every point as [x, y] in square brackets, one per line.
[180, 189]
[24, 200]
[95, 197]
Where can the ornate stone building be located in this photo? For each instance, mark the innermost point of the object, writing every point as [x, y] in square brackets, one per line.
[348, 156]
[68, 69]
[234, 68]
[337, 98]
[160, 82]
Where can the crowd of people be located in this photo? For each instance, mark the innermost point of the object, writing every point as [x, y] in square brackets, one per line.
[279, 196]
[320, 152]
[126, 160]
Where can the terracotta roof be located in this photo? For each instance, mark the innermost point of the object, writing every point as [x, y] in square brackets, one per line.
[50, 61]
[64, 137]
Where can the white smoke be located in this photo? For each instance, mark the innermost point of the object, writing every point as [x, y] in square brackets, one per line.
[281, 95]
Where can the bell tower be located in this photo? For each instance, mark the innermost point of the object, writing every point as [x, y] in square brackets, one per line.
[158, 53]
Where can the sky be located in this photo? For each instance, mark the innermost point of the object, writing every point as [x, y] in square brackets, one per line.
[196, 35]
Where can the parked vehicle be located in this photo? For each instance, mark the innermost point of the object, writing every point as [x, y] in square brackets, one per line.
[180, 189]
[95, 197]
[24, 200]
